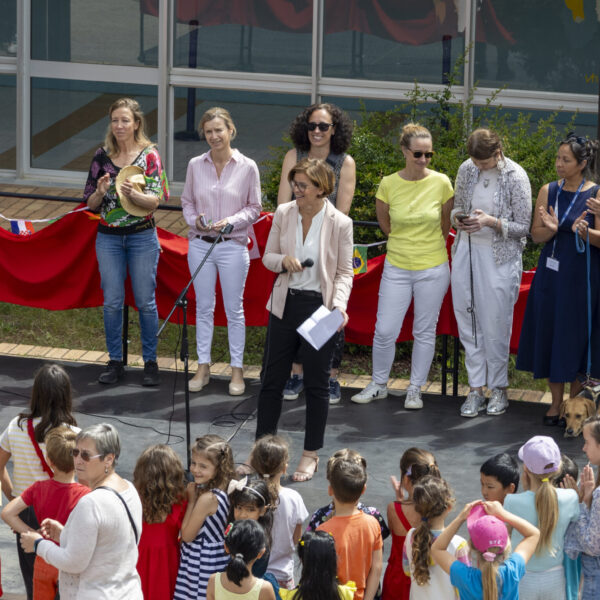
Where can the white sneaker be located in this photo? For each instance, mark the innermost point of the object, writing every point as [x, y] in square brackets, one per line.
[413, 399]
[473, 405]
[370, 393]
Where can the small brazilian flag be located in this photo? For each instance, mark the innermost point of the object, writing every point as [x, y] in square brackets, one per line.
[359, 259]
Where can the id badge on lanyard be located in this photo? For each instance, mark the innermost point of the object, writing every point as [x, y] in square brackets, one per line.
[552, 263]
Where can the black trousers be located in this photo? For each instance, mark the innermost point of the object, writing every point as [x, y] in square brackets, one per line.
[27, 559]
[283, 342]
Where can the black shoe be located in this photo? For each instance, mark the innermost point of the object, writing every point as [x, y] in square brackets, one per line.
[151, 376]
[113, 372]
[551, 421]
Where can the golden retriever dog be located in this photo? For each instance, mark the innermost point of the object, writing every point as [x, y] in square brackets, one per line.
[575, 411]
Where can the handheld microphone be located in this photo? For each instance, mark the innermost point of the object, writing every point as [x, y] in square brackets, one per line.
[227, 229]
[309, 262]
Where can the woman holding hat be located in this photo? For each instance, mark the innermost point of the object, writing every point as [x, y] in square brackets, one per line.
[491, 214]
[222, 189]
[126, 240]
[551, 510]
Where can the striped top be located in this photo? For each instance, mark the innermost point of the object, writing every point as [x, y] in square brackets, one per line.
[27, 468]
[235, 195]
[205, 555]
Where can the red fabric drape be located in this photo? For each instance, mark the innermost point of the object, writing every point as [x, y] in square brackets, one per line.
[56, 269]
[413, 22]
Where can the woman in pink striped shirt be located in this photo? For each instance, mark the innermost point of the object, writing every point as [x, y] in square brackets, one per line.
[222, 187]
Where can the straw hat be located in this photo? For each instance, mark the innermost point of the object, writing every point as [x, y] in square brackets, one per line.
[135, 175]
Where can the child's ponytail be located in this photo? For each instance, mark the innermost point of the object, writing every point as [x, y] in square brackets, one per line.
[269, 459]
[432, 497]
[244, 541]
[489, 574]
[546, 506]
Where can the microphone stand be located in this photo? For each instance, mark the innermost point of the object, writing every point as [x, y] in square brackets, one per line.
[184, 355]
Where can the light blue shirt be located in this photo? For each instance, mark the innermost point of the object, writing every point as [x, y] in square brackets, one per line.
[523, 505]
[468, 579]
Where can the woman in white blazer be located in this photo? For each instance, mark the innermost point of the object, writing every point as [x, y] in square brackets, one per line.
[309, 227]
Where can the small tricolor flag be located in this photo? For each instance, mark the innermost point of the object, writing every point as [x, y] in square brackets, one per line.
[359, 259]
[22, 227]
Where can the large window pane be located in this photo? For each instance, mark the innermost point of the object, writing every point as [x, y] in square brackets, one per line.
[69, 119]
[8, 122]
[532, 45]
[117, 32]
[398, 40]
[8, 27]
[261, 120]
[268, 36]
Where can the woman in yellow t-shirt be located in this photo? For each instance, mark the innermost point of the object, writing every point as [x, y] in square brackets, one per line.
[413, 210]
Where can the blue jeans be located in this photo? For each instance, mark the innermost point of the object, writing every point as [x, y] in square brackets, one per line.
[590, 566]
[138, 254]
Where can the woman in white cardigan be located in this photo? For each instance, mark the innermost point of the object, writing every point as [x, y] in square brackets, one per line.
[98, 553]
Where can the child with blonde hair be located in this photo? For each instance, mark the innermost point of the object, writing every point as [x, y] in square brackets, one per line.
[550, 510]
[269, 458]
[203, 527]
[498, 572]
[414, 464]
[433, 500]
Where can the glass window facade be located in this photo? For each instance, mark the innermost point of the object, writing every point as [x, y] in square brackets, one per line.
[261, 119]
[8, 27]
[8, 122]
[69, 119]
[532, 46]
[268, 36]
[116, 32]
[391, 40]
[265, 60]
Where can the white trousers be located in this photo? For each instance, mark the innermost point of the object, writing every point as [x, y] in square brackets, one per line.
[396, 290]
[495, 291]
[231, 261]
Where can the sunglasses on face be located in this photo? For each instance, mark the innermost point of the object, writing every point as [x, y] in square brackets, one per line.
[418, 154]
[85, 455]
[320, 126]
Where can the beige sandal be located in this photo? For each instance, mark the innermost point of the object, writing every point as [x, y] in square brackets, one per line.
[301, 475]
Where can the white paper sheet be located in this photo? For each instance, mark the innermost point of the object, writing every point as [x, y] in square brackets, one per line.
[320, 326]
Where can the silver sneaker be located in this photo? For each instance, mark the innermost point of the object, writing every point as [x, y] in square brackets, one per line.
[370, 393]
[413, 399]
[498, 402]
[473, 405]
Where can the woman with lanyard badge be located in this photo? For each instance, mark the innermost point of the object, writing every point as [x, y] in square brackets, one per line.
[492, 213]
[554, 335]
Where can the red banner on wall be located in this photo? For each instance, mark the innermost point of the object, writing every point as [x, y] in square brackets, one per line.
[56, 269]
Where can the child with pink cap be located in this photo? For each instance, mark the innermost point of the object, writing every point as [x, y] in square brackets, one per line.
[551, 510]
[496, 576]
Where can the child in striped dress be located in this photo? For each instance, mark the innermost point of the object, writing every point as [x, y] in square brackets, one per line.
[202, 531]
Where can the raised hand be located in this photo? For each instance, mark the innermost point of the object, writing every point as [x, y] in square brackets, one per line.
[580, 225]
[549, 219]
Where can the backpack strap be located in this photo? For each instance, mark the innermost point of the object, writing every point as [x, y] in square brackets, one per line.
[37, 449]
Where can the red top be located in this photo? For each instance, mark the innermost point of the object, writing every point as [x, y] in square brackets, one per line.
[396, 584]
[53, 500]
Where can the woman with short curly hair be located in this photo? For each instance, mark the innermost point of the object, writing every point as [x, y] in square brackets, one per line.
[321, 131]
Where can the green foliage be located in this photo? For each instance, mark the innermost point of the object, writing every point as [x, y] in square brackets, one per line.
[450, 118]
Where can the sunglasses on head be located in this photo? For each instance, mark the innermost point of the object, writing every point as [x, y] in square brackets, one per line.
[85, 455]
[418, 154]
[321, 126]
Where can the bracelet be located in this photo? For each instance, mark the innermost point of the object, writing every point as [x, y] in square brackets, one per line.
[36, 544]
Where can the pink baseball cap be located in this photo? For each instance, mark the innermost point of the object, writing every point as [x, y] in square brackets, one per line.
[540, 454]
[486, 532]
